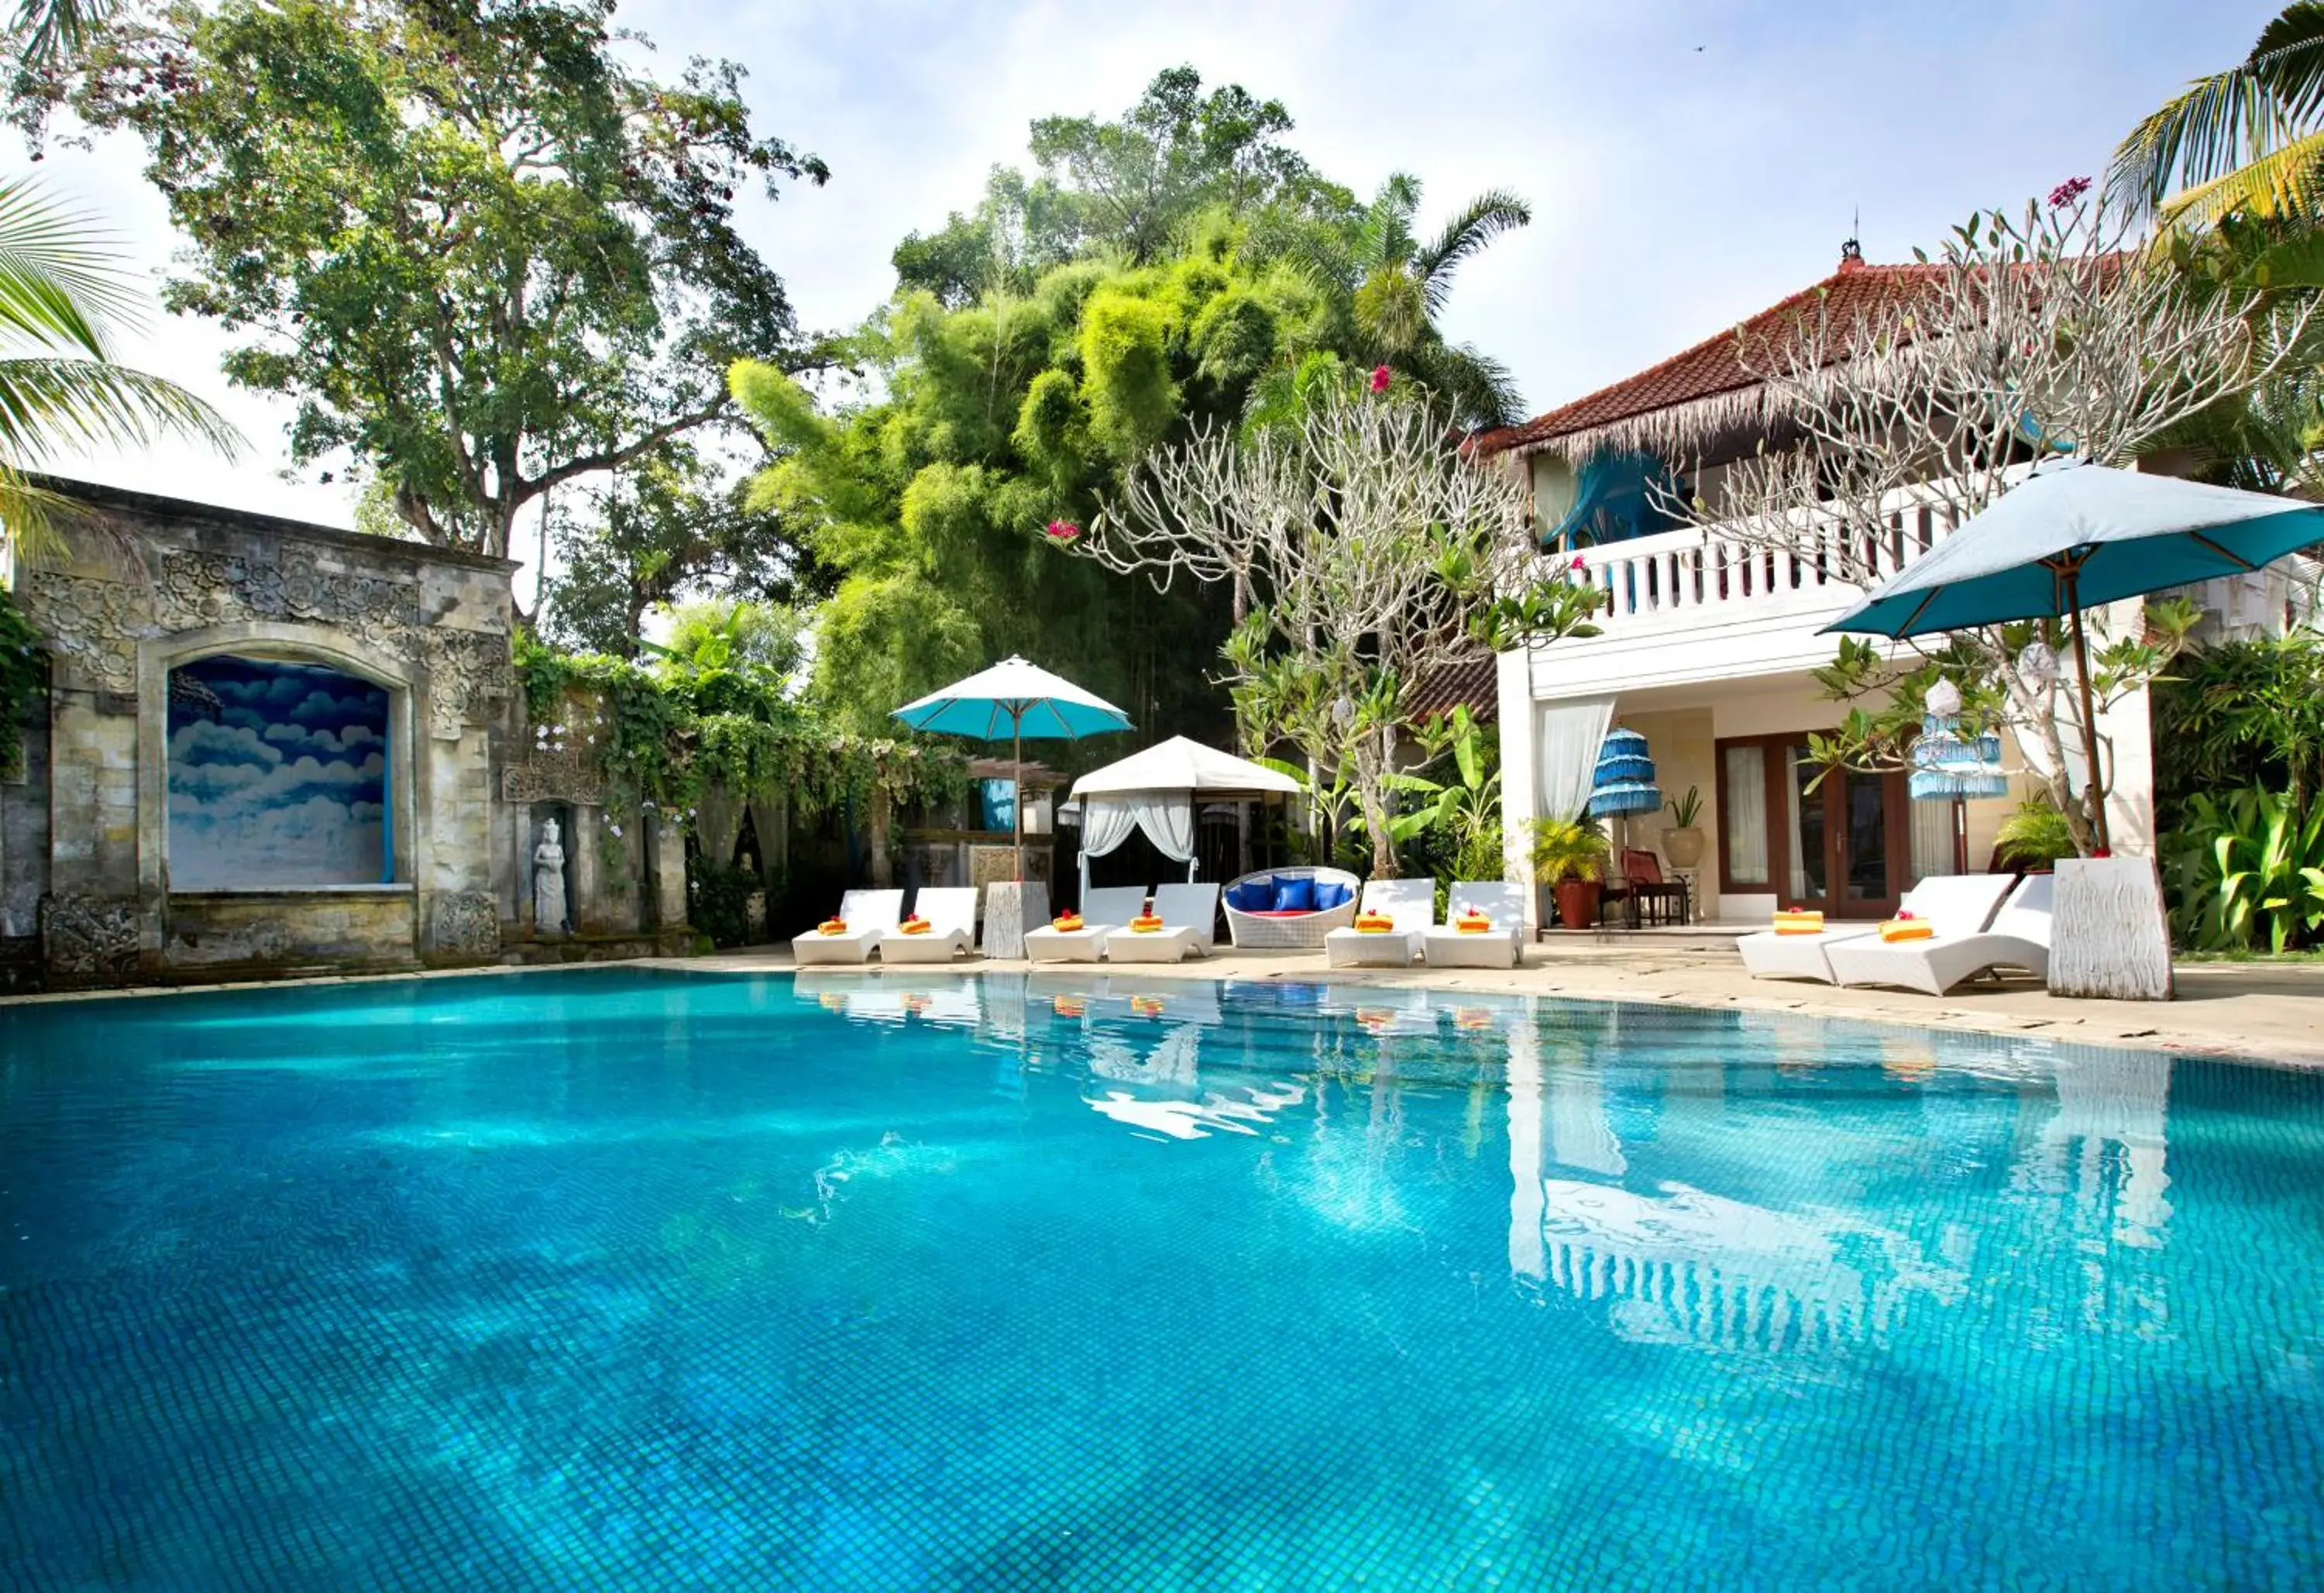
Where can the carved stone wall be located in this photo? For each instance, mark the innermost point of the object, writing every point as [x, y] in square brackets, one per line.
[156, 582]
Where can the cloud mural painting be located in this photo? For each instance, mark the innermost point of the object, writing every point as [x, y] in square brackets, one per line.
[278, 776]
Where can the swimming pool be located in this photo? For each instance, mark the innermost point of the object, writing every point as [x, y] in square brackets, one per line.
[614, 1279]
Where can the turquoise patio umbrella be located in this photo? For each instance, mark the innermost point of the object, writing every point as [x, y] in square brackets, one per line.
[2071, 537]
[1016, 699]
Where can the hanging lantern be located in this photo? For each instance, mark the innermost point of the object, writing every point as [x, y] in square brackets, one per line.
[1947, 766]
[1624, 780]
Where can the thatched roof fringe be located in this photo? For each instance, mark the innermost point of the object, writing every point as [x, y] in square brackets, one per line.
[1679, 431]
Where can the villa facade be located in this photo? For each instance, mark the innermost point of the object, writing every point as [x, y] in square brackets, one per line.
[1707, 646]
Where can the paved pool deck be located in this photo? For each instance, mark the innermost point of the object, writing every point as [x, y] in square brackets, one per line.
[2261, 1012]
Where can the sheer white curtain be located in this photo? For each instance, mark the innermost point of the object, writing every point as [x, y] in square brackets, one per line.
[1932, 839]
[1745, 818]
[1571, 735]
[1168, 817]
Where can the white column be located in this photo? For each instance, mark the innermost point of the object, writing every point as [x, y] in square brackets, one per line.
[1520, 802]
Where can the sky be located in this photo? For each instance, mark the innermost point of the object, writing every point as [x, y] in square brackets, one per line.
[1687, 163]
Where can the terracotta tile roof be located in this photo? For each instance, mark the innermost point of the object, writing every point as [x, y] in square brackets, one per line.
[1470, 681]
[1713, 368]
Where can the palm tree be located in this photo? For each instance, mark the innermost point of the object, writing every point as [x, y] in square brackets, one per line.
[2244, 143]
[62, 291]
[46, 31]
[1394, 287]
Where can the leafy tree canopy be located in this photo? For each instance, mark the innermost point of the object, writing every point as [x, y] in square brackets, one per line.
[666, 530]
[1130, 186]
[482, 254]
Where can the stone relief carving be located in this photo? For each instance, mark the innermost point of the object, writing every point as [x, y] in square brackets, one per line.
[467, 923]
[555, 777]
[90, 937]
[464, 668]
[95, 625]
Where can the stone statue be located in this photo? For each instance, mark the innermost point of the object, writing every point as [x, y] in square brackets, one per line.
[549, 884]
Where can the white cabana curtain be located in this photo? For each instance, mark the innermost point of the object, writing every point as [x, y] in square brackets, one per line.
[1168, 817]
[1571, 735]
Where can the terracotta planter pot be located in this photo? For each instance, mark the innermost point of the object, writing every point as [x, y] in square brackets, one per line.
[1577, 903]
[1684, 847]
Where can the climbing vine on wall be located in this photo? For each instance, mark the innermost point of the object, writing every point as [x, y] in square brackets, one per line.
[23, 671]
[668, 727]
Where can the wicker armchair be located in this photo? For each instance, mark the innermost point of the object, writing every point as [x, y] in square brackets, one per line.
[1251, 926]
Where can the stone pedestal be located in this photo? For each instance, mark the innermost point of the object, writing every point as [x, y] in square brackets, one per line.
[1011, 908]
[2109, 935]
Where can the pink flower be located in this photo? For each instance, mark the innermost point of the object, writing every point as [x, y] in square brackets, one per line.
[2068, 191]
[1380, 378]
[1577, 562]
[1064, 531]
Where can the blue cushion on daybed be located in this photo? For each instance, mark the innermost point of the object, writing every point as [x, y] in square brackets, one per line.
[1331, 894]
[1252, 895]
[1295, 895]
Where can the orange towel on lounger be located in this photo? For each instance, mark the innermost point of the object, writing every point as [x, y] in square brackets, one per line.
[1145, 923]
[832, 926]
[1908, 929]
[1066, 923]
[1374, 923]
[1799, 921]
[1472, 922]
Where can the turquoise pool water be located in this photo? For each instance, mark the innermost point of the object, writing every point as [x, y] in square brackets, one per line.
[614, 1279]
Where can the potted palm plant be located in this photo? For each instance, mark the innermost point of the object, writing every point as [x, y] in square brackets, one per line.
[1683, 843]
[1569, 857]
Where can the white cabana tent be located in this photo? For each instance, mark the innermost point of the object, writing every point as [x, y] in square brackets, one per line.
[1156, 791]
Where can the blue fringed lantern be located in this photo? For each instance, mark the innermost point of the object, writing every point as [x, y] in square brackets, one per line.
[1624, 780]
[1947, 766]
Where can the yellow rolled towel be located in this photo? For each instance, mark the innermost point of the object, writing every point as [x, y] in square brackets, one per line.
[1799, 921]
[1908, 929]
[1472, 922]
[832, 926]
[1145, 923]
[915, 925]
[1374, 923]
[1066, 923]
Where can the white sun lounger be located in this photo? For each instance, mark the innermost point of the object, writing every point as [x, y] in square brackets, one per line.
[1189, 915]
[1409, 903]
[1109, 908]
[950, 912]
[1446, 946]
[2018, 938]
[1955, 904]
[868, 916]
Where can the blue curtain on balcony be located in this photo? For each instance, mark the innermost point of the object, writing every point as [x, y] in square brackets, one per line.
[1614, 500]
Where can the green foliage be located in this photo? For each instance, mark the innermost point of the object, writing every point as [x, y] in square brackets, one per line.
[1001, 418]
[718, 899]
[64, 293]
[2246, 869]
[472, 247]
[1569, 848]
[1133, 188]
[2242, 713]
[1465, 807]
[1387, 286]
[662, 530]
[2035, 836]
[666, 727]
[1685, 810]
[23, 675]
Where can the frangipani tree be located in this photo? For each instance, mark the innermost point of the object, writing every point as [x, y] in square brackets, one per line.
[2044, 336]
[1364, 549]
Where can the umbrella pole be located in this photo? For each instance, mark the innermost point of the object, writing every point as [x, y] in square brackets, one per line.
[2096, 797]
[1017, 772]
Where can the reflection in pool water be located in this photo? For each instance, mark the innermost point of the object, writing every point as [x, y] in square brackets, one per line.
[867, 1280]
